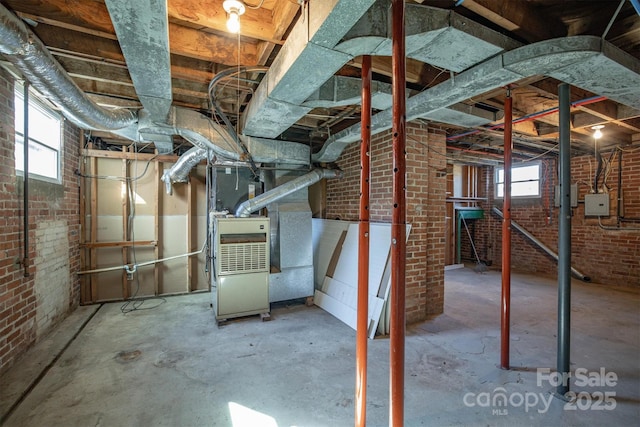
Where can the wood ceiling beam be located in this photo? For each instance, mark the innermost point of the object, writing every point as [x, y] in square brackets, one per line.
[607, 111]
[108, 89]
[525, 127]
[90, 15]
[519, 17]
[67, 26]
[113, 102]
[115, 76]
[283, 14]
[94, 49]
[546, 126]
[104, 72]
[93, 18]
[70, 42]
[196, 71]
[254, 23]
[587, 120]
[112, 76]
[382, 65]
[625, 34]
[91, 86]
[210, 47]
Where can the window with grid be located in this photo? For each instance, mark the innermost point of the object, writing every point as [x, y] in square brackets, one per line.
[45, 137]
[525, 181]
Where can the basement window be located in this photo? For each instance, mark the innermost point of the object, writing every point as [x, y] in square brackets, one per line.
[45, 137]
[525, 181]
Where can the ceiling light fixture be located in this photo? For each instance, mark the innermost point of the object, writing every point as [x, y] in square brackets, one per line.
[597, 134]
[234, 8]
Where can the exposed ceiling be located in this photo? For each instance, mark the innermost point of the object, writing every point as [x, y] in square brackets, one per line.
[82, 36]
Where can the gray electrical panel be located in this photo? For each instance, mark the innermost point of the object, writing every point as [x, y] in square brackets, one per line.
[574, 196]
[596, 204]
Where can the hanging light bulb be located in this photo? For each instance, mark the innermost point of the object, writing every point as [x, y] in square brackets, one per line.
[233, 23]
[234, 8]
[597, 134]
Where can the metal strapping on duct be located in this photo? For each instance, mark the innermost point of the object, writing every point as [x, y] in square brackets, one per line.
[245, 209]
[24, 50]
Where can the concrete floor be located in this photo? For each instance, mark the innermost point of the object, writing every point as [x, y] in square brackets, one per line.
[171, 366]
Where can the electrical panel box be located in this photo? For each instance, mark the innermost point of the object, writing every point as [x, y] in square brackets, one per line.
[574, 196]
[596, 204]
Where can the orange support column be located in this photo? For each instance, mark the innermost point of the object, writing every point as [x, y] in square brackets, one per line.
[506, 237]
[362, 330]
[398, 217]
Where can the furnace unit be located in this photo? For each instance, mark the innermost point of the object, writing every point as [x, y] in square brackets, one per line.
[240, 280]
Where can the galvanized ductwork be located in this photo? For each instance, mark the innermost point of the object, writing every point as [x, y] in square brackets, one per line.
[210, 139]
[252, 205]
[142, 28]
[24, 50]
[584, 61]
[180, 170]
[337, 31]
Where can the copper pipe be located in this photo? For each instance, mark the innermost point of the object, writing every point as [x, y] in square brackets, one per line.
[398, 217]
[362, 324]
[506, 237]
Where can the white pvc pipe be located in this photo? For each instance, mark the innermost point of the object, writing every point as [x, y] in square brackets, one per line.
[134, 267]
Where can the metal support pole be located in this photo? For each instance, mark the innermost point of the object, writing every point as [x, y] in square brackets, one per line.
[25, 189]
[398, 217]
[564, 243]
[506, 237]
[362, 328]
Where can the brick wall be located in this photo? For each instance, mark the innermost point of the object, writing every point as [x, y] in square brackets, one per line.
[426, 181]
[31, 306]
[610, 257]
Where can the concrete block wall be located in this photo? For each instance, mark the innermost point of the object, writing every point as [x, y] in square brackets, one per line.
[31, 306]
[426, 181]
[610, 257]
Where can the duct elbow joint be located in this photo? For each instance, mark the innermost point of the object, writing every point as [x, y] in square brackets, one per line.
[242, 212]
[166, 178]
[336, 173]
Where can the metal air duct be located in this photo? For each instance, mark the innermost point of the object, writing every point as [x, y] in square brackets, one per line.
[584, 61]
[24, 50]
[30, 56]
[180, 170]
[336, 31]
[259, 202]
[142, 27]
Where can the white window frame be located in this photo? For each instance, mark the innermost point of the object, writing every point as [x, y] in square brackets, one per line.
[52, 145]
[497, 183]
